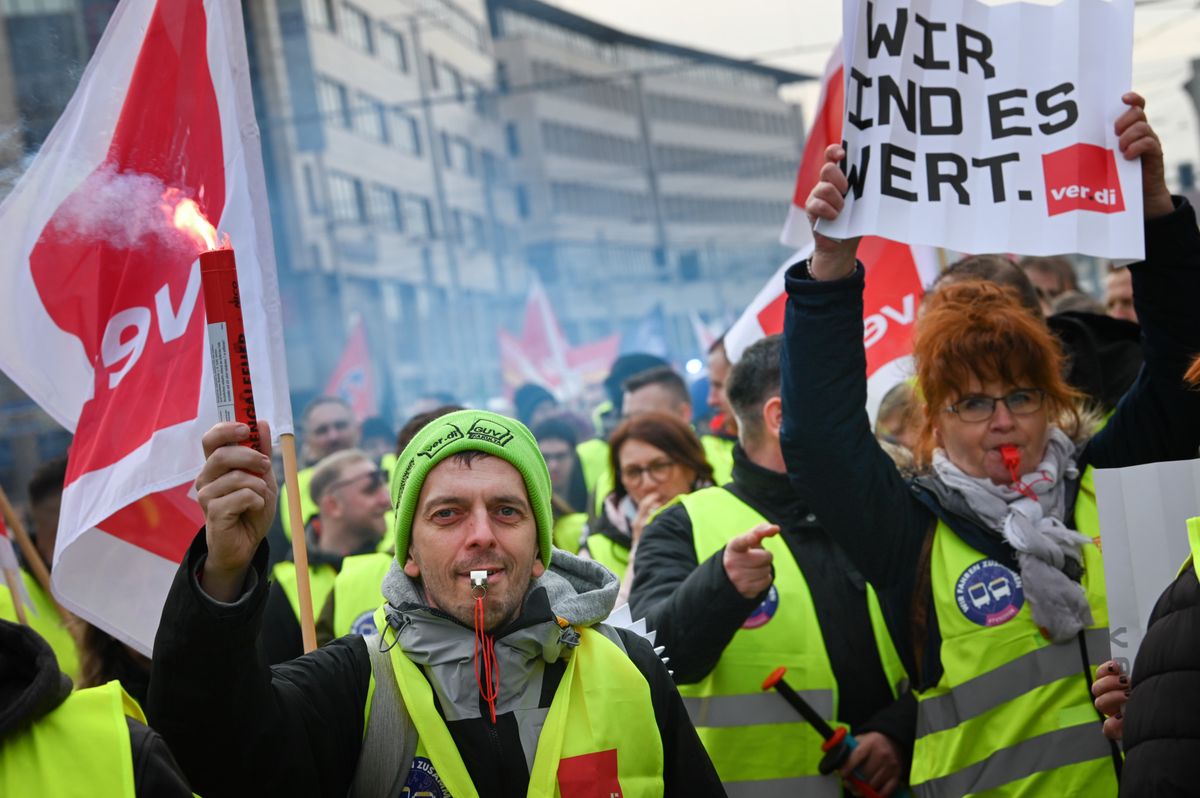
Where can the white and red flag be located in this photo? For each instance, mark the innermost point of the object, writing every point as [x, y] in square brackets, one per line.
[102, 318]
[353, 377]
[896, 273]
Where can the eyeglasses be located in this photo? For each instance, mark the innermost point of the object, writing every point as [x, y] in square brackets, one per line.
[375, 480]
[334, 426]
[657, 471]
[974, 408]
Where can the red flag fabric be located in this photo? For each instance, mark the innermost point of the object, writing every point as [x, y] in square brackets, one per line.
[353, 377]
[896, 273]
[103, 324]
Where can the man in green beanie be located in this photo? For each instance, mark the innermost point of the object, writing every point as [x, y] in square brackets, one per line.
[489, 672]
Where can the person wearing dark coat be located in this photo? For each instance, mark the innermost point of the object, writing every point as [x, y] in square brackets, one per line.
[954, 533]
[44, 729]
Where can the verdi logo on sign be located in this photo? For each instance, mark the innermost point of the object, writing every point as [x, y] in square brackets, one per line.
[979, 127]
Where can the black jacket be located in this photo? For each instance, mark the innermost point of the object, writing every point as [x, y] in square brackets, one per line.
[695, 610]
[31, 686]
[881, 520]
[239, 727]
[1162, 718]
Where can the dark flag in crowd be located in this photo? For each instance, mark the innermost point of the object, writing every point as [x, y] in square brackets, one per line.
[103, 320]
[353, 377]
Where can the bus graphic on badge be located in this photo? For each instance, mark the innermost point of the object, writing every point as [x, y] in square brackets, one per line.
[989, 594]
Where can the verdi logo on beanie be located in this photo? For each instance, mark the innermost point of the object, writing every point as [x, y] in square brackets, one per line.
[462, 431]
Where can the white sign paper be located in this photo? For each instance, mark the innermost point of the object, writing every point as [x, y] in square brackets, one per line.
[1143, 531]
[987, 126]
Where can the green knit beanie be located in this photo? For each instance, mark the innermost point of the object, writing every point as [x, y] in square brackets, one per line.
[470, 430]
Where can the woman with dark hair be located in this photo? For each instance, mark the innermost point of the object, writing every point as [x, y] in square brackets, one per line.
[557, 441]
[988, 563]
[655, 457]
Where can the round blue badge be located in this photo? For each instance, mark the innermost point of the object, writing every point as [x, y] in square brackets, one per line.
[763, 612]
[364, 624]
[423, 781]
[989, 594]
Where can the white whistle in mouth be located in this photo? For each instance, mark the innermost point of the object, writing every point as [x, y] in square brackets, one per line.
[479, 579]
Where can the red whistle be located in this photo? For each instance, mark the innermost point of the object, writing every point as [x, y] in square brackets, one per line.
[1012, 460]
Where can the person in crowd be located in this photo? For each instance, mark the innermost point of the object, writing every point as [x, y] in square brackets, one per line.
[378, 436]
[1051, 276]
[988, 565]
[1103, 355]
[1153, 710]
[55, 742]
[656, 457]
[557, 442]
[1118, 294]
[351, 494]
[327, 425]
[506, 687]
[355, 593]
[898, 419]
[534, 403]
[59, 629]
[662, 390]
[718, 373]
[1076, 302]
[103, 658]
[741, 579]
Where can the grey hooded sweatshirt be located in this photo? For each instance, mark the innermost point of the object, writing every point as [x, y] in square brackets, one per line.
[239, 727]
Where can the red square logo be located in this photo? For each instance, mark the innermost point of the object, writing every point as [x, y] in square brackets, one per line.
[1082, 177]
[589, 776]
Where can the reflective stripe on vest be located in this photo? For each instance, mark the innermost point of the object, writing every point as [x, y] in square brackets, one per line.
[1012, 712]
[358, 592]
[600, 730]
[81, 748]
[320, 581]
[308, 507]
[753, 737]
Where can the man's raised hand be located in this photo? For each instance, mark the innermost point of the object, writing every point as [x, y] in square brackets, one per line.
[747, 563]
[238, 494]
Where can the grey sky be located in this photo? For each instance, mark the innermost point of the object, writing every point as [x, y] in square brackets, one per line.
[1166, 38]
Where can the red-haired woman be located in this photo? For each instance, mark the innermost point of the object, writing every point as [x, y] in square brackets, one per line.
[988, 564]
[655, 457]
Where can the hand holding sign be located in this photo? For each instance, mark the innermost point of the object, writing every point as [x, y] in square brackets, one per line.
[747, 563]
[1138, 140]
[832, 259]
[238, 493]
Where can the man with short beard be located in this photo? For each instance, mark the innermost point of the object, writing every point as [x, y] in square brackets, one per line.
[505, 688]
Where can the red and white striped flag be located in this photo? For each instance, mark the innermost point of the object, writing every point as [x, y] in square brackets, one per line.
[102, 318]
[896, 273]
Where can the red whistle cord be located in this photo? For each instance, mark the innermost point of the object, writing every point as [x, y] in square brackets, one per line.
[1012, 461]
[489, 681]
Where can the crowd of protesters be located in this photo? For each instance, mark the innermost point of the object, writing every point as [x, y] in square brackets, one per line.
[931, 587]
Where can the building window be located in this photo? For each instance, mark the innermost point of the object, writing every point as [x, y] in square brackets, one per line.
[394, 49]
[521, 195]
[447, 151]
[455, 79]
[459, 231]
[310, 190]
[333, 101]
[370, 118]
[467, 160]
[356, 28]
[478, 232]
[419, 213]
[347, 199]
[406, 133]
[320, 14]
[435, 82]
[511, 140]
[384, 207]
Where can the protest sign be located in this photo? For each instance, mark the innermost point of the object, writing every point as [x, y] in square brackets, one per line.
[1143, 532]
[987, 126]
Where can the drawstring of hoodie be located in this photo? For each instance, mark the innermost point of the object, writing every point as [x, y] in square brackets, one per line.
[489, 679]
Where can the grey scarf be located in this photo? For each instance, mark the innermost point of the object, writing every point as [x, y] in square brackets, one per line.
[1036, 531]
